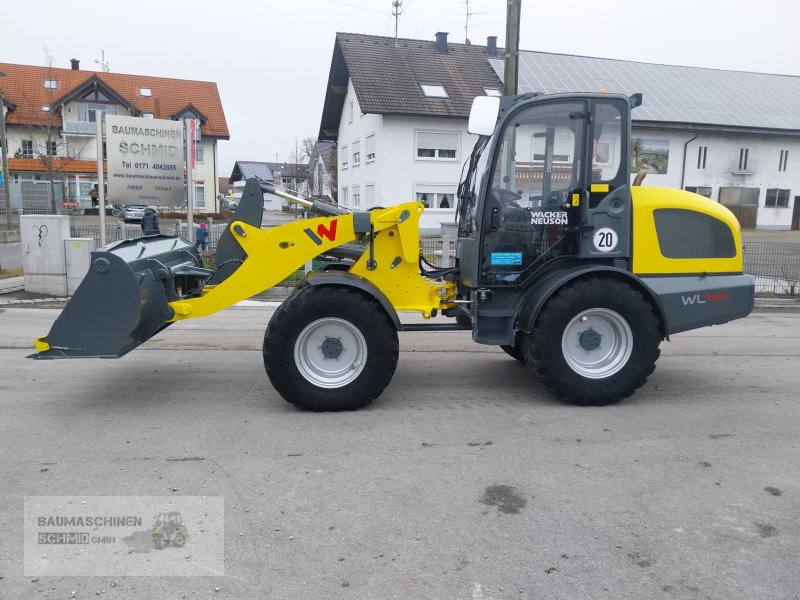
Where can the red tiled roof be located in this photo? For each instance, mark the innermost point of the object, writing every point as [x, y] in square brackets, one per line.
[23, 86]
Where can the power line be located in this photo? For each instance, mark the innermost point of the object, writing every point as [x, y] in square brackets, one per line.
[357, 6]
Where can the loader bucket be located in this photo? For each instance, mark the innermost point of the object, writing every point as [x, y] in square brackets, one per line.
[123, 300]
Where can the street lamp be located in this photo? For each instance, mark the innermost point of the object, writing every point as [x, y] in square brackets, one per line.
[4, 144]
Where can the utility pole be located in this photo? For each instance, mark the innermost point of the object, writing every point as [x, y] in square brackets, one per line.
[4, 144]
[511, 71]
[396, 6]
[101, 187]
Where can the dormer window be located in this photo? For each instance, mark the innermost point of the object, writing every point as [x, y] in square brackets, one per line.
[492, 92]
[145, 92]
[45, 108]
[50, 84]
[147, 115]
[434, 91]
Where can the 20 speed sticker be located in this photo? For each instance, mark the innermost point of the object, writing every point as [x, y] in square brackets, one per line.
[605, 239]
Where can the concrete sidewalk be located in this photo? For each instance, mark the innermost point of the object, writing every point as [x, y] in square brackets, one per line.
[12, 284]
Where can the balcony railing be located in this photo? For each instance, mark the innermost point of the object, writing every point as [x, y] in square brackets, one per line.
[81, 127]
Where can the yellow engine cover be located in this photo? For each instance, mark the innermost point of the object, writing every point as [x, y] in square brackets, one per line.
[677, 232]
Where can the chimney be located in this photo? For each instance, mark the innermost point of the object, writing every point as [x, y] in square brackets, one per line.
[441, 42]
[76, 64]
[491, 46]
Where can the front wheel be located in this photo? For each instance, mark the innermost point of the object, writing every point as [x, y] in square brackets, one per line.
[330, 349]
[595, 342]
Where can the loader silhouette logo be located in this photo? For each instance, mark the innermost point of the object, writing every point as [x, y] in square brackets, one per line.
[323, 232]
[169, 529]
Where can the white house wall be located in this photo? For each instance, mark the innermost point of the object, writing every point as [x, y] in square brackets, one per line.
[397, 173]
[722, 163]
[365, 173]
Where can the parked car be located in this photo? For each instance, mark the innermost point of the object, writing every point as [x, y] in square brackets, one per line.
[133, 213]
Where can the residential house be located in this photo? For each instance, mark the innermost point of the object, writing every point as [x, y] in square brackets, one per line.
[51, 128]
[727, 135]
[398, 115]
[322, 171]
[290, 176]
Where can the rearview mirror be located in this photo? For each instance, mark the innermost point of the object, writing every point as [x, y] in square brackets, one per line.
[483, 116]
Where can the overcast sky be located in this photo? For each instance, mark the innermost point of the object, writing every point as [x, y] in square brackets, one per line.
[270, 59]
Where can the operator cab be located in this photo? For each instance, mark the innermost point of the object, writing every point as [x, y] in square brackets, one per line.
[550, 184]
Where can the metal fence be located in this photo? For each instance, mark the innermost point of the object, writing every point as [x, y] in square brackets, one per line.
[776, 267]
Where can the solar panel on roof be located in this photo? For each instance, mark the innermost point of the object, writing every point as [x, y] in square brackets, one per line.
[671, 93]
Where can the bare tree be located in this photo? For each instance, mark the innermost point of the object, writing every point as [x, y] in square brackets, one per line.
[332, 165]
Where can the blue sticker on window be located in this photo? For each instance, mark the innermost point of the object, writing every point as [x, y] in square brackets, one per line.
[506, 259]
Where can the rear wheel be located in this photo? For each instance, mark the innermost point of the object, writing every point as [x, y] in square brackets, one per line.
[594, 343]
[330, 349]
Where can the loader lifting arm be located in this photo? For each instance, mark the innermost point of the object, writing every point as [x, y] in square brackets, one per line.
[136, 288]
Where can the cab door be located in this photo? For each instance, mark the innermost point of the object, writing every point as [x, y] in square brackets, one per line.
[535, 190]
[606, 218]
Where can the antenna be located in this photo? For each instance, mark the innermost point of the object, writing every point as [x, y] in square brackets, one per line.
[469, 13]
[102, 61]
[397, 5]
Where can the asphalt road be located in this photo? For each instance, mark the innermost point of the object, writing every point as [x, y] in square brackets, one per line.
[464, 480]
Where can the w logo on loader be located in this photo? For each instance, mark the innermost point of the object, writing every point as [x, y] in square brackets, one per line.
[323, 232]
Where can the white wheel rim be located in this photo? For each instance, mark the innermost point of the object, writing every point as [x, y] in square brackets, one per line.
[330, 353]
[597, 343]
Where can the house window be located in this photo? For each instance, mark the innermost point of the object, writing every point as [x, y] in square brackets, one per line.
[783, 160]
[350, 112]
[45, 108]
[434, 91]
[87, 112]
[369, 195]
[492, 92]
[343, 197]
[345, 150]
[702, 151]
[701, 190]
[199, 154]
[200, 194]
[370, 147]
[777, 198]
[50, 84]
[52, 148]
[356, 196]
[436, 195]
[437, 146]
[563, 147]
[147, 115]
[27, 148]
[146, 92]
[743, 158]
[356, 153]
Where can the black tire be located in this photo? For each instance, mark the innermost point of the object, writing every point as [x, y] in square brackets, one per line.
[297, 370]
[560, 349]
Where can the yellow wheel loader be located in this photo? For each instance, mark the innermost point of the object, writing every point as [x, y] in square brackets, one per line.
[560, 261]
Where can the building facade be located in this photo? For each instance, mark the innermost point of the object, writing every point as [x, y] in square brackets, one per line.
[292, 177]
[398, 114]
[51, 127]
